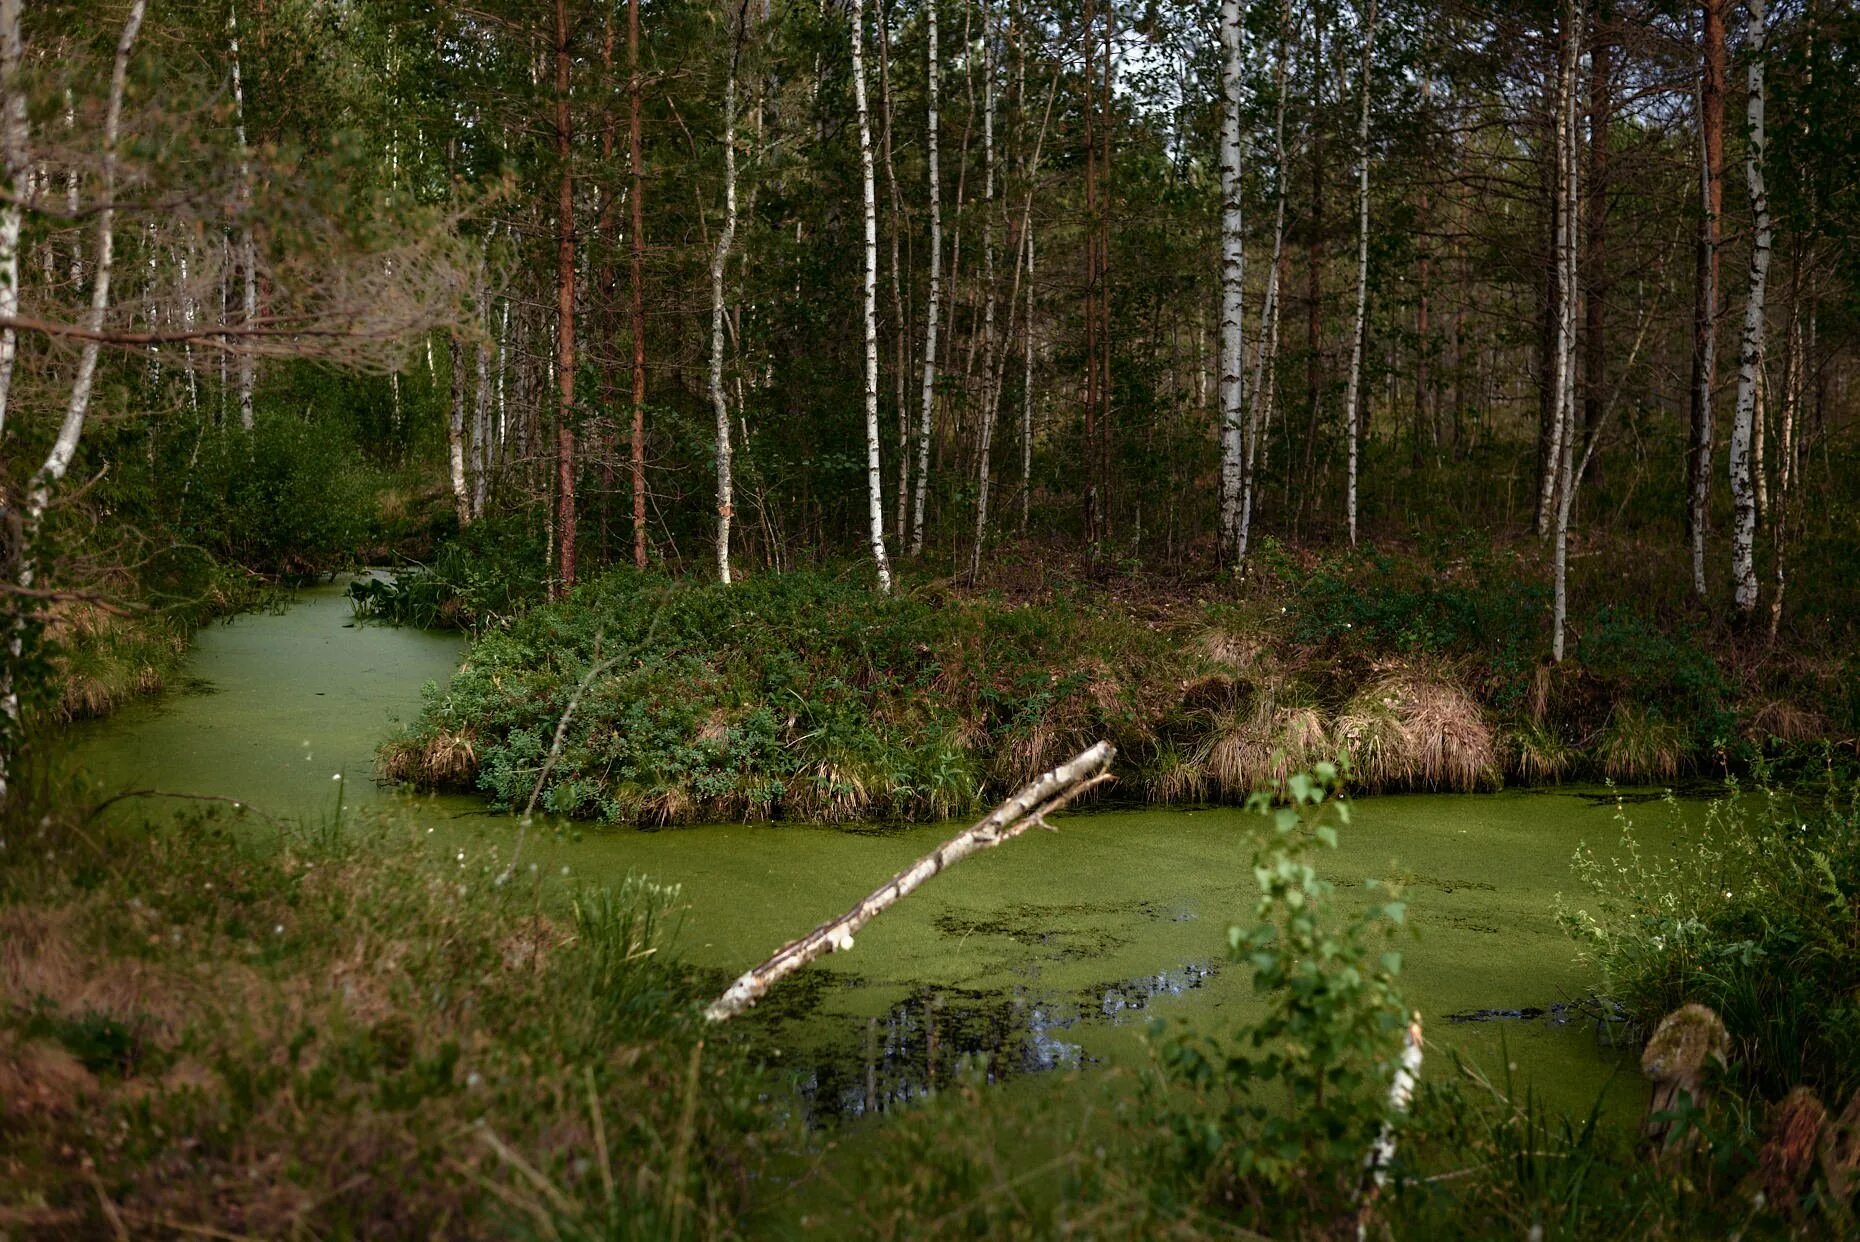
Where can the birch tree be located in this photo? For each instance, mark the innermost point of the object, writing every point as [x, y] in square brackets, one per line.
[934, 301]
[1750, 357]
[1352, 418]
[248, 249]
[721, 257]
[1233, 286]
[1705, 313]
[1264, 375]
[1566, 210]
[875, 500]
[57, 461]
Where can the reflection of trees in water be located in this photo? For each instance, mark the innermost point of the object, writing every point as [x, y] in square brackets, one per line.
[939, 1036]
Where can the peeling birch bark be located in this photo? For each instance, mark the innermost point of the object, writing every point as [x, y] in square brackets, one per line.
[1750, 358]
[875, 500]
[1026, 808]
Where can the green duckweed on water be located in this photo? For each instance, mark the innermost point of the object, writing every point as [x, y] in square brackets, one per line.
[1050, 954]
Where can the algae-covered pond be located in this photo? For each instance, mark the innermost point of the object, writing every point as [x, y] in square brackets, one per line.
[1050, 953]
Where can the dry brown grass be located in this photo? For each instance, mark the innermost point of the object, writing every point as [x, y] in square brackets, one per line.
[1785, 721]
[447, 760]
[1258, 741]
[39, 1078]
[1410, 731]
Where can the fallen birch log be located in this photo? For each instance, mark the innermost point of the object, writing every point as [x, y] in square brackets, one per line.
[1026, 808]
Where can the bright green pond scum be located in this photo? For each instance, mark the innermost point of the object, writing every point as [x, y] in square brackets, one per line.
[1050, 953]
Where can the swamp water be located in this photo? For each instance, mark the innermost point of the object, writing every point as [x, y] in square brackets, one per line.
[1052, 952]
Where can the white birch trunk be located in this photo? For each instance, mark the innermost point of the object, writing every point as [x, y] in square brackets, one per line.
[725, 486]
[1568, 213]
[16, 163]
[248, 247]
[71, 430]
[1352, 420]
[1233, 287]
[991, 394]
[455, 434]
[920, 483]
[1750, 357]
[875, 500]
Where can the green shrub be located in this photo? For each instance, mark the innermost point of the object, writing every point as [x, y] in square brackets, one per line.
[1274, 1121]
[1756, 915]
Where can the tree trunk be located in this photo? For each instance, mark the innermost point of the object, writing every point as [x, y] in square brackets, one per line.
[934, 302]
[1750, 357]
[1705, 311]
[1352, 417]
[875, 500]
[1568, 270]
[992, 351]
[1233, 286]
[455, 433]
[725, 490]
[58, 460]
[16, 163]
[1264, 372]
[565, 314]
[638, 455]
[248, 248]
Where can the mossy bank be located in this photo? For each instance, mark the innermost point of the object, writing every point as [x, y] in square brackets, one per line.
[804, 696]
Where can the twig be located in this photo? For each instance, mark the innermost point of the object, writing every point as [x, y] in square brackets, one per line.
[1026, 808]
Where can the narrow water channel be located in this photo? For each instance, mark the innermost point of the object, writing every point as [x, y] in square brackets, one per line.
[1050, 953]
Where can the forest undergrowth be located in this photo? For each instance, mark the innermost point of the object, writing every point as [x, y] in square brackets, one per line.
[805, 696]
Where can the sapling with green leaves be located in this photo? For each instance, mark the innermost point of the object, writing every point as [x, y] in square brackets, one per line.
[1278, 1116]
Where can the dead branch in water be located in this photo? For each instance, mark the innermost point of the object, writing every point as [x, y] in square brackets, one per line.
[1026, 808]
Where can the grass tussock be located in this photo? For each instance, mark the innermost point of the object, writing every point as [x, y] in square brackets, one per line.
[1414, 732]
[1638, 746]
[1535, 755]
[103, 659]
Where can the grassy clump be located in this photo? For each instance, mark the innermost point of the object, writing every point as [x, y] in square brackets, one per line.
[203, 1027]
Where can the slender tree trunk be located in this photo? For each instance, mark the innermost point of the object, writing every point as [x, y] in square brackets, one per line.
[992, 350]
[875, 500]
[1352, 416]
[725, 491]
[639, 285]
[248, 248]
[455, 433]
[901, 347]
[934, 302]
[565, 313]
[1705, 313]
[58, 460]
[1233, 286]
[1264, 373]
[16, 163]
[1568, 264]
[1750, 357]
